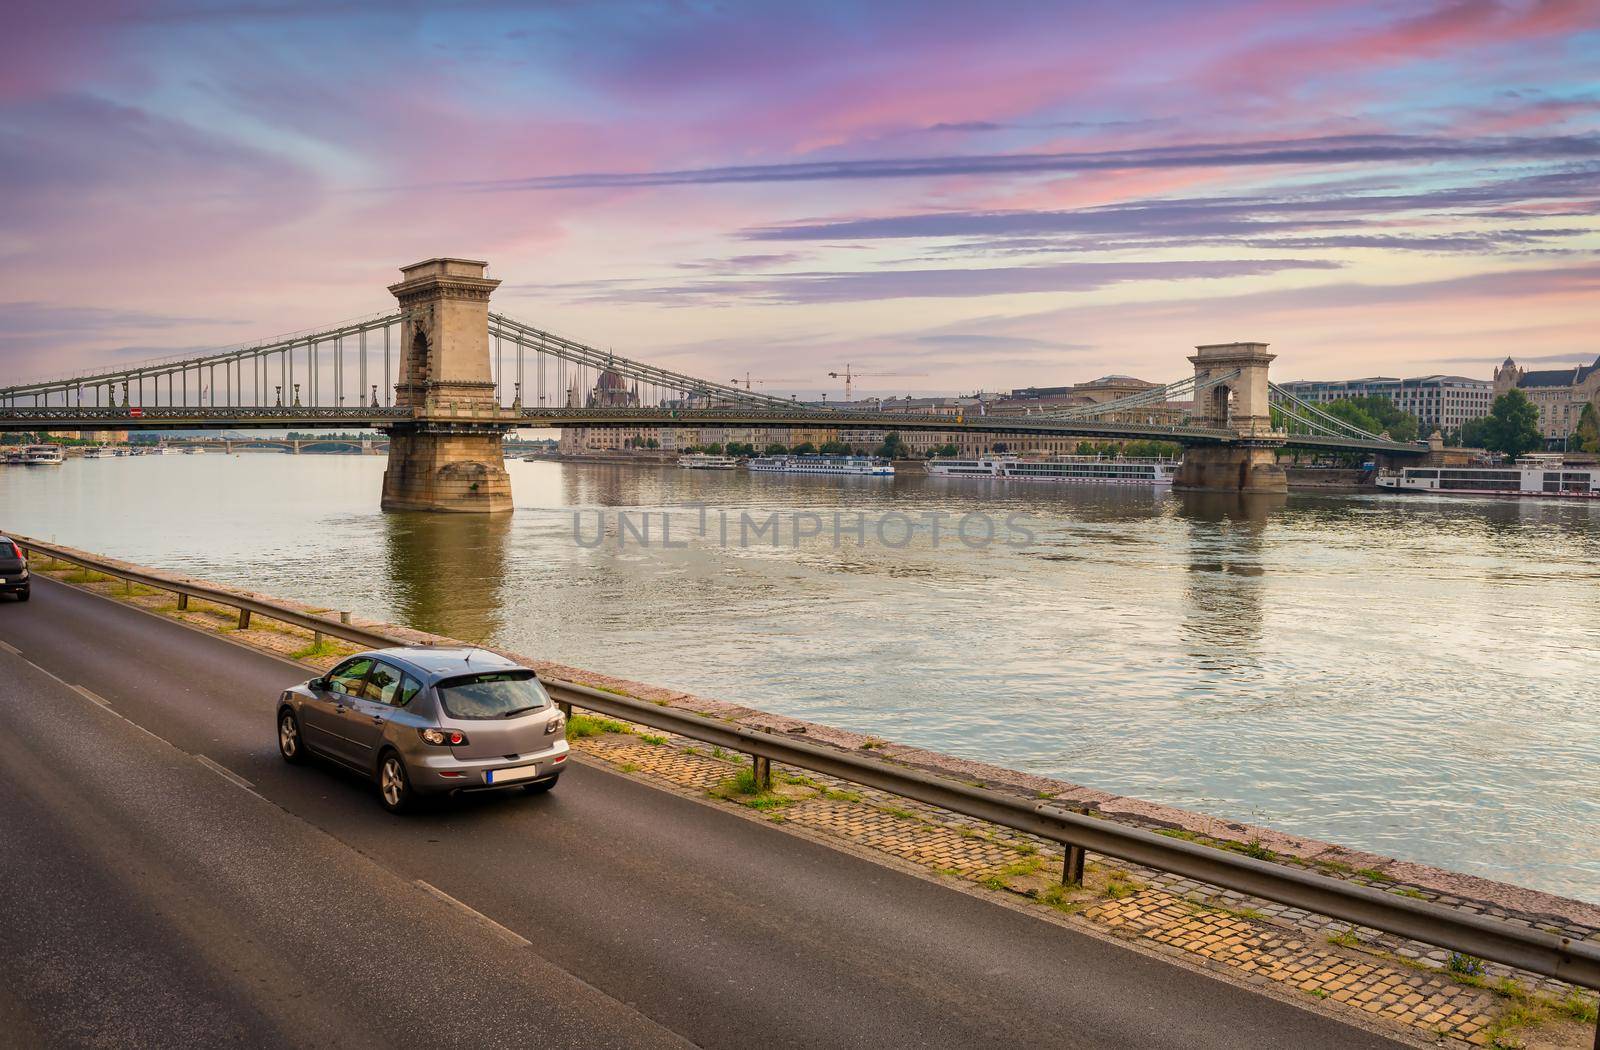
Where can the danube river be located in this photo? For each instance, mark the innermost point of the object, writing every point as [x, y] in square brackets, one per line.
[1409, 675]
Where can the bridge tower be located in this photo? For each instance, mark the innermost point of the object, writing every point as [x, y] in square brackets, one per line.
[448, 456]
[1247, 463]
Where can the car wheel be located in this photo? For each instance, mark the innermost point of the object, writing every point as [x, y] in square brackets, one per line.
[394, 787]
[290, 744]
[22, 596]
[539, 787]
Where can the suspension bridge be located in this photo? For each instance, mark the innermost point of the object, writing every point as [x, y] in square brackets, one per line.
[445, 377]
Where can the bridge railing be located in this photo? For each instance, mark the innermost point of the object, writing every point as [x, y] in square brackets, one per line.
[1531, 950]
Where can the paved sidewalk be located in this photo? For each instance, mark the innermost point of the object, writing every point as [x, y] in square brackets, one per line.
[1261, 942]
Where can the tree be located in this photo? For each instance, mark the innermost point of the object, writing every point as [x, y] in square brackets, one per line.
[776, 449]
[713, 449]
[1402, 426]
[1001, 446]
[652, 443]
[892, 447]
[1587, 437]
[835, 448]
[1473, 433]
[805, 448]
[947, 450]
[1512, 428]
[1352, 413]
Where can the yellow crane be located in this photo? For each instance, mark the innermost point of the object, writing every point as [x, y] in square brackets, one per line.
[849, 376]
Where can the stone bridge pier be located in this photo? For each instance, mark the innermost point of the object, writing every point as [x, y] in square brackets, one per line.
[1248, 463]
[448, 456]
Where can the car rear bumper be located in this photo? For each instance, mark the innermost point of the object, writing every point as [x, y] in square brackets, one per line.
[435, 772]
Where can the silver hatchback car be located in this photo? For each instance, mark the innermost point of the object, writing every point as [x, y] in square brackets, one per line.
[423, 721]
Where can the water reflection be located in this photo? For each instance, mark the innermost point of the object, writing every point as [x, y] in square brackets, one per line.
[1224, 596]
[446, 571]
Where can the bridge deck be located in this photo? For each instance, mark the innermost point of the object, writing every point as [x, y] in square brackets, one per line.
[194, 418]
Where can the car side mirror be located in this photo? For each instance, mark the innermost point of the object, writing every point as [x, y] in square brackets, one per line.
[319, 684]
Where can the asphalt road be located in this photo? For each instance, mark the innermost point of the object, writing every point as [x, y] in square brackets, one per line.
[165, 880]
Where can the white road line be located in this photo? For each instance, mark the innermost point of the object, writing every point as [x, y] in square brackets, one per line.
[510, 935]
[8, 647]
[225, 773]
[46, 672]
[92, 697]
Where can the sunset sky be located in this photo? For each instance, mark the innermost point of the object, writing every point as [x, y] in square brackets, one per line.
[993, 194]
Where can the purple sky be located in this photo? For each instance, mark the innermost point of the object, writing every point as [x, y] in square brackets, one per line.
[993, 194]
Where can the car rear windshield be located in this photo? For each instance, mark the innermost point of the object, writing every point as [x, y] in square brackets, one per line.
[496, 694]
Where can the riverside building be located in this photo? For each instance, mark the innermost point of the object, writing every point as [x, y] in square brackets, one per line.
[1439, 402]
[1558, 393]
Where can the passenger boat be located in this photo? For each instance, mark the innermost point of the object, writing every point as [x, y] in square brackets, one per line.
[701, 461]
[1543, 474]
[194, 450]
[99, 452]
[850, 465]
[1060, 469]
[12, 458]
[44, 455]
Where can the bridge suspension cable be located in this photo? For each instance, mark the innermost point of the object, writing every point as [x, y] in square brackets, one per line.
[1314, 419]
[659, 384]
[1144, 398]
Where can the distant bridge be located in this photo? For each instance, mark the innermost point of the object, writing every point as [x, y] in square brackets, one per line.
[444, 373]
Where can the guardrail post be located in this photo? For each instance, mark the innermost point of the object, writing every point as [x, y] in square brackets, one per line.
[244, 619]
[344, 617]
[183, 603]
[316, 639]
[763, 772]
[565, 709]
[1072, 863]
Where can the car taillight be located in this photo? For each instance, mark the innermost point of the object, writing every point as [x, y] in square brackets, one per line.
[555, 724]
[442, 737]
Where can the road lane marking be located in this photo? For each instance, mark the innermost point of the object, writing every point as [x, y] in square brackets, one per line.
[225, 773]
[8, 647]
[509, 934]
[92, 697]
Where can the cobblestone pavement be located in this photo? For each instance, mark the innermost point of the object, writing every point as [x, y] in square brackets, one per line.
[1389, 979]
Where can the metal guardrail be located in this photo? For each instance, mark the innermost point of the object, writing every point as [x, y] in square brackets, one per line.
[1536, 951]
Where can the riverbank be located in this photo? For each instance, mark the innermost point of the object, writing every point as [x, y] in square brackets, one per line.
[1423, 989]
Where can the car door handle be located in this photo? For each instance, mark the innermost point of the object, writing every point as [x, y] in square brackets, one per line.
[377, 721]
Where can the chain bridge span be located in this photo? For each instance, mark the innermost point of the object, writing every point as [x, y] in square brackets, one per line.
[445, 378]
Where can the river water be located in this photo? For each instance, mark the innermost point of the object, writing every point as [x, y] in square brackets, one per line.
[1411, 675]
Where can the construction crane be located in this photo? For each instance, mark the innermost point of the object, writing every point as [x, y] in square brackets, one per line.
[758, 382]
[848, 376]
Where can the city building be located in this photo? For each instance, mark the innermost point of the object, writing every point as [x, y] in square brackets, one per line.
[1558, 393]
[1440, 403]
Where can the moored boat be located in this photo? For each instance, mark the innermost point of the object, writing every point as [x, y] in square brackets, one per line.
[1061, 469]
[44, 455]
[1542, 474]
[702, 461]
[838, 465]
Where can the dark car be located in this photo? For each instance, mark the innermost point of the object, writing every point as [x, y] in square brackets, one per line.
[426, 721]
[13, 570]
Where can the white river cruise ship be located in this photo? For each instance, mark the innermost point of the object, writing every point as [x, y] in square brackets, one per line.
[1537, 475]
[44, 455]
[860, 465]
[1061, 469]
[702, 461]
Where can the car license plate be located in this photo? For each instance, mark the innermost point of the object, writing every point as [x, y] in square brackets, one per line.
[506, 776]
